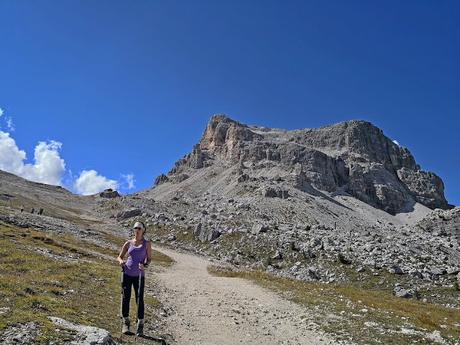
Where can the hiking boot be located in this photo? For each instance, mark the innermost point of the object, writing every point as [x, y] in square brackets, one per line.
[125, 327]
[140, 329]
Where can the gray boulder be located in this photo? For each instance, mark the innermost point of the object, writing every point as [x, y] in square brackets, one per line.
[395, 270]
[20, 334]
[205, 234]
[86, 335]
[259, 228]
[130, 213]
[401, 292]
[109, 194]
[271, 192]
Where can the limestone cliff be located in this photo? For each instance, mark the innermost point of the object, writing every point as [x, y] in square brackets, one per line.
[352, 157]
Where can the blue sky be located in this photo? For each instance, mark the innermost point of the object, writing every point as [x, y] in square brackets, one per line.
[127, 87]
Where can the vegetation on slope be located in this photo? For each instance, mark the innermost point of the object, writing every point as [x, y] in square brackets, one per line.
[44, 274]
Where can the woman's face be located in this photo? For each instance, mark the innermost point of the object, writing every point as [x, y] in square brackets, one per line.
[138, 232]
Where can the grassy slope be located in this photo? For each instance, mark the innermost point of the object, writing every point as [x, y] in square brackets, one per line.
[84, 289]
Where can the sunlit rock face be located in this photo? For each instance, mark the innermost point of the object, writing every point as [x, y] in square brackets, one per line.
[352, 157]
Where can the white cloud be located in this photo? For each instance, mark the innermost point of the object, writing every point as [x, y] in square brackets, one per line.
[396, 142]
[90, 182]
[9, 124]
[48, 166]
[129, 179]
[11, 158]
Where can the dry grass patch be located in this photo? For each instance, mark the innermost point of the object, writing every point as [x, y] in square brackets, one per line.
[161, 259]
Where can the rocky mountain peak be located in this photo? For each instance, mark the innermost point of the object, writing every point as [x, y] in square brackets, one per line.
[353, 157]
[223, 136]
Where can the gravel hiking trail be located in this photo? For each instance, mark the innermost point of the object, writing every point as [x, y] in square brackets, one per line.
[203, 309]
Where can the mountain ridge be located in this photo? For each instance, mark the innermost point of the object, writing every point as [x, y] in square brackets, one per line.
[352, 156]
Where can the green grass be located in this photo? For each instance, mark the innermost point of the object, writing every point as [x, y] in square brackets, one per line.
[85, 290]
[347, 301]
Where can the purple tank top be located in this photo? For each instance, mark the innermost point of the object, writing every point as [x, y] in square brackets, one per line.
[135, 256]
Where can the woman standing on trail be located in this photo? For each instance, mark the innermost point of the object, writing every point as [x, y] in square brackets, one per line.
[139, 252]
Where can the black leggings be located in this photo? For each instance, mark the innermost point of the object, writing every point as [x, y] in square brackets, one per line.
[126, 286]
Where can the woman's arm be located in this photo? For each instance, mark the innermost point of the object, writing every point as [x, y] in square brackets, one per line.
[148, 258]
[149, 252]
[122, 254]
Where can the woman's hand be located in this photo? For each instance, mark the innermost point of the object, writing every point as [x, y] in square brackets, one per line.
[141, 266]
[121, 262]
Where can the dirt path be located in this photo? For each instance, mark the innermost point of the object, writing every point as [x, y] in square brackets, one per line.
[208, 310]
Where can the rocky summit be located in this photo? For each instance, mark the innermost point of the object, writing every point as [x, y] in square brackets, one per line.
[352, 157]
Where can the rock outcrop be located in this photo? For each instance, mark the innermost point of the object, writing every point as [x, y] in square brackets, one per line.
[130, 213]
[109, 194]
[85, 335]
[353, 157]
